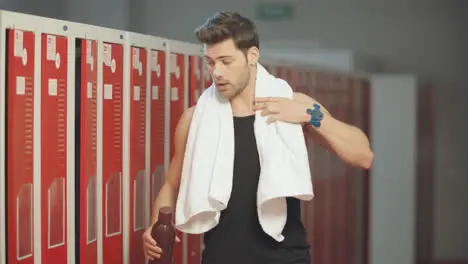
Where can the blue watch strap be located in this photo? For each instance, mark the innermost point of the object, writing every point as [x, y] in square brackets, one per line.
[316, 116]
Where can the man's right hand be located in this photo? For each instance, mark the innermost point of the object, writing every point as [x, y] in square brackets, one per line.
[152, 251]
[169, 191]
[150, 247]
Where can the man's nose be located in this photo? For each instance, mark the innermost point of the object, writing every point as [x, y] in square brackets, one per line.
[217, 71]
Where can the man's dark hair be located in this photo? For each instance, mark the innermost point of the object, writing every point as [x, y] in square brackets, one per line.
[228, 25]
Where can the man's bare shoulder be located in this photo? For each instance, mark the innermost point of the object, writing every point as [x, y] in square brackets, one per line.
[183, 125]
[187, 115]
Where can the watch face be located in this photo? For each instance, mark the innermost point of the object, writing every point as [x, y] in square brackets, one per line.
[316, 114]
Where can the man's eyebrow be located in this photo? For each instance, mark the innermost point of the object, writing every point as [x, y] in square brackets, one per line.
[219, 57]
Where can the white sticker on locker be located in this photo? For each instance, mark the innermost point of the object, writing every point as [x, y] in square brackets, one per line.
[57, 61]
[154, 60]
[89, 55]
[173, 63]
[136, 58]
[136, 93]
[18, 47]
[89, 89]
[108, 91]
[52, 88]
[24, 58]
[107, 54]
[20, 85]
[113, 66]
[51, 48]
[155, 92]
[174, 94]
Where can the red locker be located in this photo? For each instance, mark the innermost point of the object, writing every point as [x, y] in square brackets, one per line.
[20, 142]
[338, 190]
[177, 81]
[158, 117]
[288, 76]
[54, 148]
[278, 72]
[322, 204]
[177, 84]
[365, 112]
[293, 74]
[208, 79]
[308, 207]
[195, 90]
[88, 155]
[196, 79]
[137, 152]
[351, 182]
[112, 152]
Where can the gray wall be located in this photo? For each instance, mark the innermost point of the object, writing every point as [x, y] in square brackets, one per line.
[422, 37]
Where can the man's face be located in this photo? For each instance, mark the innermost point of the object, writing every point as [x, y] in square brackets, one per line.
[229, 68]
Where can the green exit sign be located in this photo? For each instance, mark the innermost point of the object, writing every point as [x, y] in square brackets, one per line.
[273, 11]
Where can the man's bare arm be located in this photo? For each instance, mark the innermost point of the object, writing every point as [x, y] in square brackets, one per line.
[348, 142]
[167, 196]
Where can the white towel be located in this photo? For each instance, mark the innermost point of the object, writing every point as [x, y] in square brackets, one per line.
[207, 173]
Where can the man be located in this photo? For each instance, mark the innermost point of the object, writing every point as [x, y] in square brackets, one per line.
[231, 46]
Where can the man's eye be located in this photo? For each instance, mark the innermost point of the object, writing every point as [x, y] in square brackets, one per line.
[227, 62]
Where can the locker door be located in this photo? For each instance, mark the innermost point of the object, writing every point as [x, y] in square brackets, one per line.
[53, 148]
[88, 155]
[321, 171]
[19, 149]
[158, 122]
[137, 152]
[195, 90]
[196, 79]
[208, 79]
[112, 152]
[177, 84]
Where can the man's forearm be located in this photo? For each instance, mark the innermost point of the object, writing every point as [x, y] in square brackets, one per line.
[167, 196]
[347, 141]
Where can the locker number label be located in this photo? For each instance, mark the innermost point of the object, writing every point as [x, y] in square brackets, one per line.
[136, 58]
[89, 91]
[107, 91]
[174, 94]
[174, 67]
[107, 54]
[51, 48]
[18, 46]
[154, 63]
[20, 85]
[155, 92]
[136, 93]
[52, 87]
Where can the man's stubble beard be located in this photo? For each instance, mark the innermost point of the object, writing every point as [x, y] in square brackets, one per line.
[243, 85]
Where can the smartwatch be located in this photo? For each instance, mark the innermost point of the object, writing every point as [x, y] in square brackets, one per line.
[316, 116]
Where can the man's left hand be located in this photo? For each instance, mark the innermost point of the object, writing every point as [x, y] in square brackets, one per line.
[282, 109]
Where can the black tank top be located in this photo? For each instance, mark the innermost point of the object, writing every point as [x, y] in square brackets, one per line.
[239, 238]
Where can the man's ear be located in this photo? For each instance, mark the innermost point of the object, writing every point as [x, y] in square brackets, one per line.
[253, 55]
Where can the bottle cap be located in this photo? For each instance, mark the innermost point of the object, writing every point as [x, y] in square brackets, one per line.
[165, 215]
